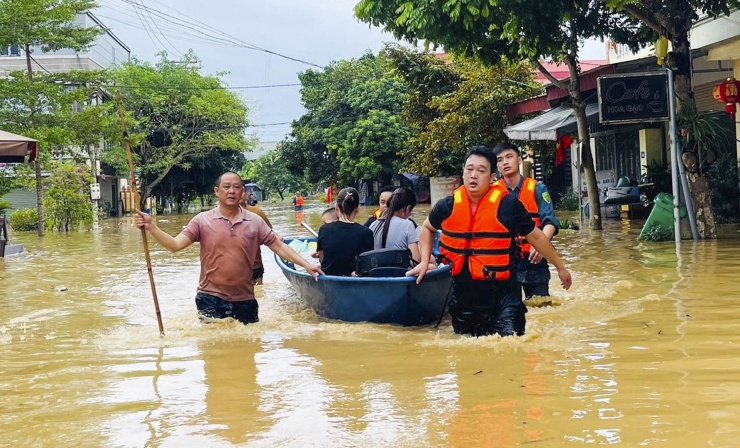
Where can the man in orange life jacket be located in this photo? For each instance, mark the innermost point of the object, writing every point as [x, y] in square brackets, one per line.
[532, 271]
[479, 224]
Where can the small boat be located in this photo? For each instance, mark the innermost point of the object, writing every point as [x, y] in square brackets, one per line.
[384, 300]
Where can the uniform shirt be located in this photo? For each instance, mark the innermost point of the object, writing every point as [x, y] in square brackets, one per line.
[544, 203]
[228, 252]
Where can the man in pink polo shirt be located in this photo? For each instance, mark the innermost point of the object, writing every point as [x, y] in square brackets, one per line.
[229, 237]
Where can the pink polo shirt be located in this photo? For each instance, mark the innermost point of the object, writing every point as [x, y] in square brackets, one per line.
[228, 251]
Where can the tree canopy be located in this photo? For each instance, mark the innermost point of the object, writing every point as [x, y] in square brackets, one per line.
[454, 104]
[516, 29]
[352, 128]
[45, 25]
[175, 113]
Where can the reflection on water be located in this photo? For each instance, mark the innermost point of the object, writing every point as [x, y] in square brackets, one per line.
[638, 354]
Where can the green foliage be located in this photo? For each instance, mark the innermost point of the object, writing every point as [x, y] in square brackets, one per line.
[455, 104]
[351, 130]
[567, 224]
[705, 133]
[4, 205]
[24, 220]
[723, 188]
[48, 24]
[567, 200]
[271, 173]
[175, 114]
[656, 232]
[659, 175]
[67, 201]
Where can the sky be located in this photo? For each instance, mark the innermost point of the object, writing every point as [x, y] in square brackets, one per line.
[224, 34]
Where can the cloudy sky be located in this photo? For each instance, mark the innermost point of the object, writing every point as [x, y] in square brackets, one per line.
[224, 34]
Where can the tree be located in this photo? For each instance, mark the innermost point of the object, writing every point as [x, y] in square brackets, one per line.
[517, 29]
[351, 130]
[674, 19]
[44, 108]
[271, 173]
[455, 104]
[47, 25]
[183, 185]
[67, 197]
[175, 113]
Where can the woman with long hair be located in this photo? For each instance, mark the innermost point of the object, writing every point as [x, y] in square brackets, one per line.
[339, 242]
[394, 229]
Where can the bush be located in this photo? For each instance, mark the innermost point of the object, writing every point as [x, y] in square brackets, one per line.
[567, 200]
[4, 205]
[656, 232]
[723, 188]
[24, 220]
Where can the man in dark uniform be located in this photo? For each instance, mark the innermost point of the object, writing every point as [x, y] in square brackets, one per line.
[479, 224]
[532, 270]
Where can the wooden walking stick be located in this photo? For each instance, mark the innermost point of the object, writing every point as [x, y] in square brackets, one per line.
[137, 203]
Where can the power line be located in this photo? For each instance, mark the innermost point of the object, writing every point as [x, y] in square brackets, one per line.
[268, 86]
[211, 128]
[154, 22]
[230, 38]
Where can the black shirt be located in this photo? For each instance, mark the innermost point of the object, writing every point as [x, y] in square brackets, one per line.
[511, 213]
[341, 242]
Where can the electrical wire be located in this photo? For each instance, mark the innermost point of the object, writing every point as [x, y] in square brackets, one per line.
[268, 86]
[230, 39]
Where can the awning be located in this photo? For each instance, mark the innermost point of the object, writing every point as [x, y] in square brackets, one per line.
[546, 126]
[17, 148]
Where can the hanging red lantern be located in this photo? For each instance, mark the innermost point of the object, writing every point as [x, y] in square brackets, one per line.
[728, 92]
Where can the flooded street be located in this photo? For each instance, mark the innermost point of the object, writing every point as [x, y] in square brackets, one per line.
[642, 352]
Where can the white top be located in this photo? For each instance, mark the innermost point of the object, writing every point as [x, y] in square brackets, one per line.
[401, 233]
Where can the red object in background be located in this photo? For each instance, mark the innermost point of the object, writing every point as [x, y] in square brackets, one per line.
[563, 142]
[728, 92]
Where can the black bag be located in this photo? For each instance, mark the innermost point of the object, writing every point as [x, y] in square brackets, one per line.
[366, 262]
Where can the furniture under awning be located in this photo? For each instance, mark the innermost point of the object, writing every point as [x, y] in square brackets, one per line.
[549, 125]
[16, 148]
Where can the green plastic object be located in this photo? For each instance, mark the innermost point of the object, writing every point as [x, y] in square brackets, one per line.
[662, 213]
[624, 181]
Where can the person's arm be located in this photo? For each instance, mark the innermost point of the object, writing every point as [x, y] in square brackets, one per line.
[550, 223]
[173, 244]
[426, 242]
[542, 243]
[285, 252]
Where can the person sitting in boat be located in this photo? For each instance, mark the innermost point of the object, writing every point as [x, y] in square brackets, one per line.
[328, 215]
[394, 229]
[339, 242]
[383, 199]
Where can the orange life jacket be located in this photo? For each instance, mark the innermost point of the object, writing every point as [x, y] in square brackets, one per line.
[299, 201]
[478, 239]
[529, 200]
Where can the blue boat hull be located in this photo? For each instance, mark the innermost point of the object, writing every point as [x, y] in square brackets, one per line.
[387, 300]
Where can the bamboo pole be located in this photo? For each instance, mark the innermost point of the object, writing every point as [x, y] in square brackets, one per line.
[137, 203]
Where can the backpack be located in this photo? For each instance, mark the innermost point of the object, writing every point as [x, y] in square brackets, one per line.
[374, 263]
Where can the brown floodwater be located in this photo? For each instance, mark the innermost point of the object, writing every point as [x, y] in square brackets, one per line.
[642, 351]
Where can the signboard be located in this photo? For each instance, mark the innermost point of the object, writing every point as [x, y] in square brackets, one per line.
[94, 191]
[633, 98]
